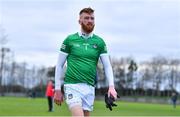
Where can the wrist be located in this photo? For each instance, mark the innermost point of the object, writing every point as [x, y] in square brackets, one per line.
[57, 90]
[57, 87]
[111, 86]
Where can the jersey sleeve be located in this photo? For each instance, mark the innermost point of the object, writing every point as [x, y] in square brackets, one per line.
[65, 47]
[103, 48]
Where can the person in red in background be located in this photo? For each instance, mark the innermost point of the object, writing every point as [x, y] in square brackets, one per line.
[50, 94]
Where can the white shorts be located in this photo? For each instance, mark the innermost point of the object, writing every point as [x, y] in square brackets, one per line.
[79, 94]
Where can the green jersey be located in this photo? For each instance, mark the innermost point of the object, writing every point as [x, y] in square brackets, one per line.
[82, 59]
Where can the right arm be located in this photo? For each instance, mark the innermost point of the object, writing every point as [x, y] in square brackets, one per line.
[58, 96]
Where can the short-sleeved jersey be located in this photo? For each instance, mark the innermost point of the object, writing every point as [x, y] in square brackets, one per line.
[82, 59]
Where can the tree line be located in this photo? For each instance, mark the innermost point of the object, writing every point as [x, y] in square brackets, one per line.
[159, 76]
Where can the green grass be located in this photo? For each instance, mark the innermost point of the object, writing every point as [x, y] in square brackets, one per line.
[12, 106]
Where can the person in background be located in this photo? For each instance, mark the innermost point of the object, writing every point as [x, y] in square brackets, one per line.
[50, 94]
[174, 99]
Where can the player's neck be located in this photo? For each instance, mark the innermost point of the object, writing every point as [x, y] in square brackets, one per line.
[85, 35]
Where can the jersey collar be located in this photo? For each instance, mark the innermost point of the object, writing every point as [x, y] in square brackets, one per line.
[84, 35]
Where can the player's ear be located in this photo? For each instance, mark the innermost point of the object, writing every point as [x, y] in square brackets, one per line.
[79, 21]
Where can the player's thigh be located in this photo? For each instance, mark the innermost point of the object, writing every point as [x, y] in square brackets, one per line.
[72, 96]
[77, 110]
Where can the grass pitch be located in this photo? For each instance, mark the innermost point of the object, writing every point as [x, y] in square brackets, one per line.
[13, 106]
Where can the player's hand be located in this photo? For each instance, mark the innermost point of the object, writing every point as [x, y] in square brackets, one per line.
[109, 101]
[112, 92]
[58, 97]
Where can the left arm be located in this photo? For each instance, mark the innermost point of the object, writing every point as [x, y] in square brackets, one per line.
[109, 74]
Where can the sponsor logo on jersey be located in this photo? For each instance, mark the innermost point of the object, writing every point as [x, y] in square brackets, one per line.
[76, 45]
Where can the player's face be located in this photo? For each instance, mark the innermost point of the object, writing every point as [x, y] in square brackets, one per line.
[87, 22]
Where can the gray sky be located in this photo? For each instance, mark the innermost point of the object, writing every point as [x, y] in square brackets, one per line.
[138, 28]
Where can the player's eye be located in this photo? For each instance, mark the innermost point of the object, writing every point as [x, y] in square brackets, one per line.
[87, 18]
[92, 18]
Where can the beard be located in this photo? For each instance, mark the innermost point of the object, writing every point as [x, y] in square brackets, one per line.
[87, 28]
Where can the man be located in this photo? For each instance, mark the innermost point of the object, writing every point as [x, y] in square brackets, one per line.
[174, 98]
[82, 51]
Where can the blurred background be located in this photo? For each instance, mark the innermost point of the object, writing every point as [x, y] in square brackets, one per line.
[142, 36]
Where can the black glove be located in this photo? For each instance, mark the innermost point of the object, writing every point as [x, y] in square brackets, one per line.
[110, 101]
